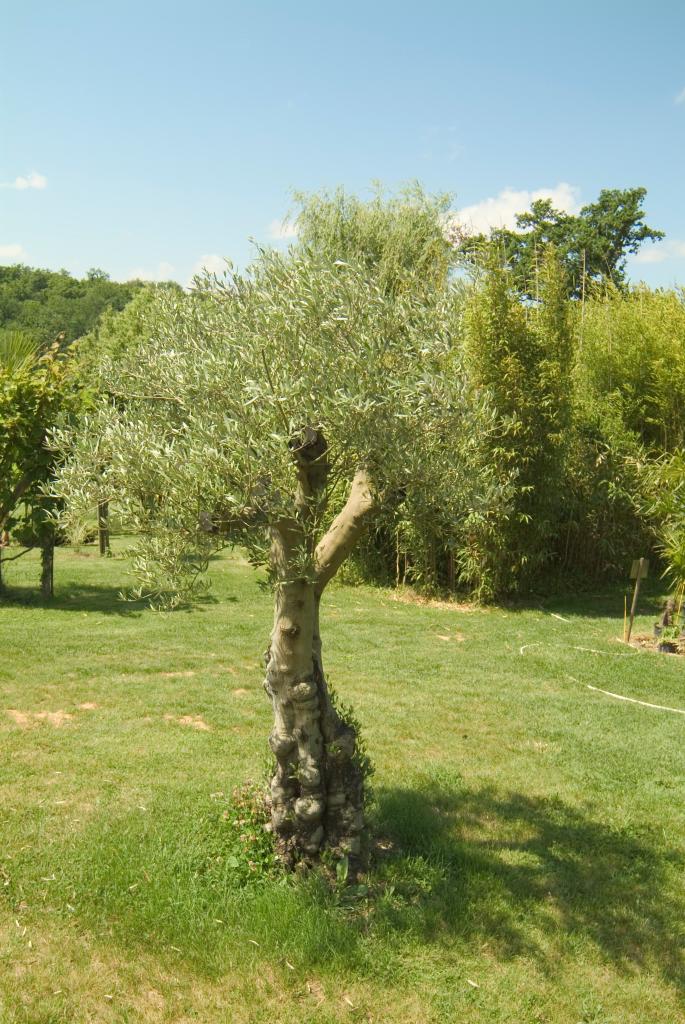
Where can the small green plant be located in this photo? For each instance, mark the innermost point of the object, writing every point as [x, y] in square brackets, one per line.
[361, 756]
[250, 850]
[670, 634]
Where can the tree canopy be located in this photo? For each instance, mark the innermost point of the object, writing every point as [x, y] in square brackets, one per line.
[35, 391]
[206, 409]
[399, 238]
[278, 410]
[592, 244]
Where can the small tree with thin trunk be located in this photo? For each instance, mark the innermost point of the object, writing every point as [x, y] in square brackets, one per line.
[35, 391]
[246, 405]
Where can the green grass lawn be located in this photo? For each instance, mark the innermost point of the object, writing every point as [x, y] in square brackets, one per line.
[534, 830]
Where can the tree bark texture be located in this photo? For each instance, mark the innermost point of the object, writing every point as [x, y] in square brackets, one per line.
[316, 792]
[317, 787]
[47, 563]
[103, 526]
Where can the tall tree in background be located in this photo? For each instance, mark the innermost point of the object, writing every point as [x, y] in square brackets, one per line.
[593, 244]
[520, 356]
[35, 391]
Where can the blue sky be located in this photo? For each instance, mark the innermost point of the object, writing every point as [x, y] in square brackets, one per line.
[146, 137]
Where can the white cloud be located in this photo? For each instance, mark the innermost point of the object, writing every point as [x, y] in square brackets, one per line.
[680, 98]
[211, 262]
[659, 252]
[31, 180]
[280, 229]
[164, 272]
[12, 253]
[500, 211]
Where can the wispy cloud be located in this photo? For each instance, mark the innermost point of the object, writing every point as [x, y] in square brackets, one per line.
[500, 211]
[163, 272]
[280, 229]
[659, 252]
[211, 262]
[22, 182]
[12, 253]
[680, 98]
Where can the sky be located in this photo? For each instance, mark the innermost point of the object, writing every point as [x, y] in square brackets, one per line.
[151, 138]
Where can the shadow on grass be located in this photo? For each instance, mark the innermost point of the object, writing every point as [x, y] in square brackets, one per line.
[520, 873]
[605, 604]
[85, 597]
[515, 875]
[77, 597]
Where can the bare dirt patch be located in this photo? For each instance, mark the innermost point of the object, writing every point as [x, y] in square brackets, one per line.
[408, 596]
[20, 718]
[88, 705]
[240, 692]
[28, 719]
[647, 642]
[455, 637]
[191, 721]
[178, 675]
[54, 718]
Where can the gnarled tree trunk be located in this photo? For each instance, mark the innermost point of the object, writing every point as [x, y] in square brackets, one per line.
[317, 787]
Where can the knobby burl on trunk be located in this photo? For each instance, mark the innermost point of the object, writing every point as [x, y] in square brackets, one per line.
[316, 792]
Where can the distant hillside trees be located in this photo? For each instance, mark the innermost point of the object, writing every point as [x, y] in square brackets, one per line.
[45, 303]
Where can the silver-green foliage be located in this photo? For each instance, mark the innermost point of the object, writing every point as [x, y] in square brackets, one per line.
[192, 439]
[399, 238]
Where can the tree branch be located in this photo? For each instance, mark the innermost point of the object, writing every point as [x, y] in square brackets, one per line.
[15, 495]
[345, 530]
[310, 452]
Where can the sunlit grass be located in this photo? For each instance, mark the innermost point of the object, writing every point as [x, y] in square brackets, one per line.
[531, 829]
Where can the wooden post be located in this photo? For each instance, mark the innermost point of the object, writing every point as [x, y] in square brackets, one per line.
[103, 526]
[633, 607]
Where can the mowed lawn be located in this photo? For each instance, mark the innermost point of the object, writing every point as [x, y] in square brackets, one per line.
[533, 830]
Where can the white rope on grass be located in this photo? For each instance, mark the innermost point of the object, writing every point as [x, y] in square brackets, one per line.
[631, 700]
[588, 650]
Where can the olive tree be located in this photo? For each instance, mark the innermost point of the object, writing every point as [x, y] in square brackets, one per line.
[243, 407]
